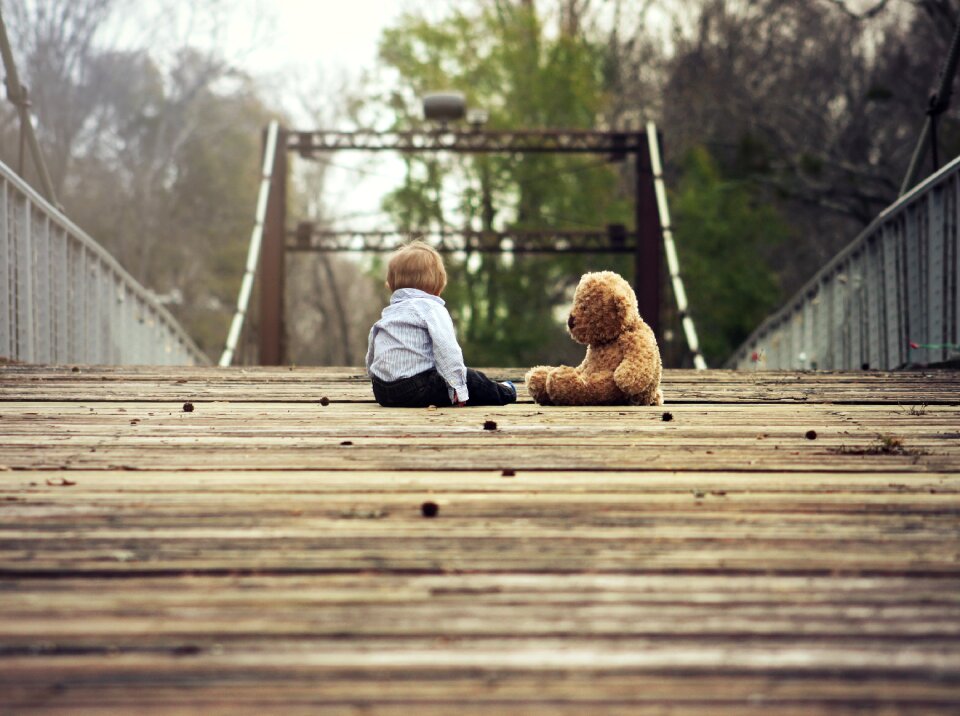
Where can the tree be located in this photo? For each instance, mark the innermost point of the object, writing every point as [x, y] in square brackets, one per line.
[157, 159]
[331, 300]
[817, 105]
[725, 241]
[505, 61]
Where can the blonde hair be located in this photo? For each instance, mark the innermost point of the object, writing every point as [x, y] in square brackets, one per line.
[417, 265]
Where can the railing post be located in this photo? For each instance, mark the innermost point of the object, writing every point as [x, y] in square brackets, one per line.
[272, 343]
[646, 258]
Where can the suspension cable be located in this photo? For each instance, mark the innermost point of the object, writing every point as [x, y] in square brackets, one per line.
[17, 94]
[673, 264]
[939, 103]
[253, 253]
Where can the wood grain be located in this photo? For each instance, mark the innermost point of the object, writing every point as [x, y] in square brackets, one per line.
[266, 553]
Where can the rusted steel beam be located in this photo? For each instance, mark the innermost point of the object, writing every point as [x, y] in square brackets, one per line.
[616, 144]
[272, 263]
[647, 256]
[611, 241]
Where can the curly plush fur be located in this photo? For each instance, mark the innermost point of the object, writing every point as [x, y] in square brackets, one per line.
[622, 363]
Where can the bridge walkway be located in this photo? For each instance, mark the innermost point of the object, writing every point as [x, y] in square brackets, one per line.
[240, 540]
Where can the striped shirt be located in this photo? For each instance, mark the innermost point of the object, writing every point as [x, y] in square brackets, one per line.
[414, 334]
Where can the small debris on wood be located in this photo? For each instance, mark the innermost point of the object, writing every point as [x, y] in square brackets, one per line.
[135, 421]
[74, 369]
[61, 482]
[347, 442]
[667, 417]
[719, 493]
[429, 509]
[186, 650]
[324, 401]
[811, 435]
[431, 407]
[188, 407]
[489, 425]
[182, 380]
[699, 494]
[508, 473]
[884, 445]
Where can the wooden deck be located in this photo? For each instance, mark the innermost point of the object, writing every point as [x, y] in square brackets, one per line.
[785, 543]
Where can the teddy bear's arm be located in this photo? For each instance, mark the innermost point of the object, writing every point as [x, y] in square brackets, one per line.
[638, 374]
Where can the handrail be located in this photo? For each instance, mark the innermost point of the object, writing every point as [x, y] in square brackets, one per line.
[888, 280]
[253, 252]
[64, 298]
[670, 250]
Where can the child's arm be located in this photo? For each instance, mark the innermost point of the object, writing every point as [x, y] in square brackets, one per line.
[447, 353]
[370, 338]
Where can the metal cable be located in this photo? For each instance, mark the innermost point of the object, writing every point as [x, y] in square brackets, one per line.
[17, 94]
[253, 253]
[939, 103]
[670, 250]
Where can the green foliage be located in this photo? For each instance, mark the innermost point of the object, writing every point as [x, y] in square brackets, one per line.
[509, 311]
[723, 237]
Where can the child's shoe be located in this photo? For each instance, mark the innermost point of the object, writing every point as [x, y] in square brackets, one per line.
[512, 387]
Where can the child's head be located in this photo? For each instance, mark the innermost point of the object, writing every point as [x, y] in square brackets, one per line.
[417, 265]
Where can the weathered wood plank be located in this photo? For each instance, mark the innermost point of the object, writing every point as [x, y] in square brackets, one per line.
[311, 384]
[719, 562]
[123, 484]
[153, 689]
[349, 436]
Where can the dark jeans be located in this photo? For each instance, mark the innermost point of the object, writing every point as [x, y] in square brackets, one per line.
[429, 388]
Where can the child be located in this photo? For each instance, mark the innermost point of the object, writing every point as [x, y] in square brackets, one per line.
[413, 358]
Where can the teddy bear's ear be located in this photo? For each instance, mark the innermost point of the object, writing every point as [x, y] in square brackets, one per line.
[621, 307]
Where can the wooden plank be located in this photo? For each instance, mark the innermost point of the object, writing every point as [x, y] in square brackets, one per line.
[719, 562]
[123, 484]
[502, 690]
[349, 436]
[312, 384]
[316, 528]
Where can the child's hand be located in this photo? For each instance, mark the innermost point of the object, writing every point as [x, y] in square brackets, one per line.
[457, 403]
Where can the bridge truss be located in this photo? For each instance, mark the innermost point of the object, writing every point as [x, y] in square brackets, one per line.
[642, 241]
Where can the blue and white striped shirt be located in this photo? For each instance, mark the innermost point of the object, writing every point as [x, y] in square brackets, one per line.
[414, 334]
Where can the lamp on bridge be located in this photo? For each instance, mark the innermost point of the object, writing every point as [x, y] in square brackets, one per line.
[444, 107]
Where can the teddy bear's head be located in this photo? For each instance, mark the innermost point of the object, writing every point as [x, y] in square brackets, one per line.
[604, 306]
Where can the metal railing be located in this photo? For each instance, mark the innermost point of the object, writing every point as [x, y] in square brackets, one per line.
[64, 299]
[889, 299]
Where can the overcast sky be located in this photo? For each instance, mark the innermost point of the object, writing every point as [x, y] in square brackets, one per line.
[332, 33]
[310, 47]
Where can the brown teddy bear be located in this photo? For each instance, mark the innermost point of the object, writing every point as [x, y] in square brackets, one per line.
[623, 361]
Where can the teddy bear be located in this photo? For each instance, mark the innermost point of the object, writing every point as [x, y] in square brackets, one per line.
[622, 365]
